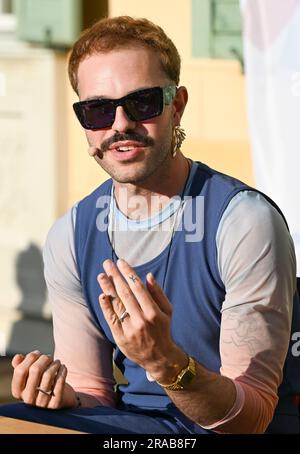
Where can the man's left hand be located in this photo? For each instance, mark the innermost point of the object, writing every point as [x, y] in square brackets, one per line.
[139, 317]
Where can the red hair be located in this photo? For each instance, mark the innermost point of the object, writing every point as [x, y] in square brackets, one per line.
[117, 32]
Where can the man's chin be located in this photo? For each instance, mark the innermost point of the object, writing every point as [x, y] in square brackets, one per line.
[134, 179]
[137, 178]
[135, 172]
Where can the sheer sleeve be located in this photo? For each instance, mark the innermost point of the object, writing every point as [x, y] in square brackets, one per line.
[257, 265]
[79, 343]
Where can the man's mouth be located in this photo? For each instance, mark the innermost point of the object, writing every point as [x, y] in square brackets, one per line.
[126, 143]
[126, 146]
[124, 149]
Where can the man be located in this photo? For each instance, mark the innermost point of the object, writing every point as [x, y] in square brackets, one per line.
[200, 317]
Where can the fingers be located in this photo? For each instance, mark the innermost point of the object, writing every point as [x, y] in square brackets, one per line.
[158, 295]
[137, 288]
[21, 372]
[17, 359]
[129, 293]
[130, 289]
[47, 383]
[56, 382]
[58, 389]
[109, 289]
[108, 310]
[141, 293]
[112, 304]
[120, 301]
[120, 288]
[107, 285]
[36, 371]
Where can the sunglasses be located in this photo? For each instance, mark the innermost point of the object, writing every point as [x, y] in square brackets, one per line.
[139, 105]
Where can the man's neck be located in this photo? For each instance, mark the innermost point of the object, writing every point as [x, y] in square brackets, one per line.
[142, 201]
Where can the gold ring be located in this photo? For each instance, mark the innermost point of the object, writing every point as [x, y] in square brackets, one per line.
[47, 393]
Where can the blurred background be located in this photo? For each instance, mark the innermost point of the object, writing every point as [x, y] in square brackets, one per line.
[240, 66]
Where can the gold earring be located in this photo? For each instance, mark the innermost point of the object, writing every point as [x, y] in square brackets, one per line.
[178, 138]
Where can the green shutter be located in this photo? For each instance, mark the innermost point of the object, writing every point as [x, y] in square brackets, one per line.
[52, 22]
[216, 28]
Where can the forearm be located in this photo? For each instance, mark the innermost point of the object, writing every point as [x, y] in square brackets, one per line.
[214, 401]
[208, 399]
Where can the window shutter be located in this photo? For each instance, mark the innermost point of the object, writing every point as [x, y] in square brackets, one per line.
[217, 30]
[56, 23]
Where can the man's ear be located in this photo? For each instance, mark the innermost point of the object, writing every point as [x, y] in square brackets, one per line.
[179, 103]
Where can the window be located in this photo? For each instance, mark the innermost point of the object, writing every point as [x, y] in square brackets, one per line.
[6, 6]
[7, 17]
[217, 29]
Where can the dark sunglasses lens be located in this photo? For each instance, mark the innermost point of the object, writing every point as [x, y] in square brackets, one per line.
[145, 104]
[95, 114]
[139, 106]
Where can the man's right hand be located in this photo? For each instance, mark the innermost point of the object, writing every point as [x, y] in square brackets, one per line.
[36, 370]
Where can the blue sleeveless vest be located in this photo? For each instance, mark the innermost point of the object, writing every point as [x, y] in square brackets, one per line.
[192, 284]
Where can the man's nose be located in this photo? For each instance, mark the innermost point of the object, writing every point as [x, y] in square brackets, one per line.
[122, 122]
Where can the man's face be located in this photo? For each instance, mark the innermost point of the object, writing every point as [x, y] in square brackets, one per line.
[114, 75]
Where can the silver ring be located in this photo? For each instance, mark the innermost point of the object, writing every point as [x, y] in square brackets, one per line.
[123, 315]
[47, 393]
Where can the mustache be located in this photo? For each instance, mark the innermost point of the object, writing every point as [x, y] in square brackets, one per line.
[118, 137]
